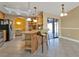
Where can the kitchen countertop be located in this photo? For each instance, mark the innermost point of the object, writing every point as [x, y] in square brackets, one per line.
[30, 32]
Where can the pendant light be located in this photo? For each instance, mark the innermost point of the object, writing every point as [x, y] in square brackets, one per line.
[35, 20]
[29, 19]
[63, 13]
[29, 10]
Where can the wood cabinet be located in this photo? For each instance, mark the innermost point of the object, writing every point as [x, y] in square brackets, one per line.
[31, 42]
[40, 18]
[35, 25]
[2, 15]
[4, 35]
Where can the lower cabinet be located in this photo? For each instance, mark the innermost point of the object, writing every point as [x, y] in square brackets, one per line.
[31, 42]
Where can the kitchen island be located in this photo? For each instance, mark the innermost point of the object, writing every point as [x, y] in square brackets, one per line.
[31, 40]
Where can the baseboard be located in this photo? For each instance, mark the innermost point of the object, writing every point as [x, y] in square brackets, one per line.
[71, 39]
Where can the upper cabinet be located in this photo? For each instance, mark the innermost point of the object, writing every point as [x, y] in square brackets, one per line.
[19, 23]
[40, 18]
[38, 24]
[2, 15]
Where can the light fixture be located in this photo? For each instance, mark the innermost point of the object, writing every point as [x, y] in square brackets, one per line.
[35, 20]
[29, 19]
[29, 10]
[63, 13]
[10, 22]
[18, 23]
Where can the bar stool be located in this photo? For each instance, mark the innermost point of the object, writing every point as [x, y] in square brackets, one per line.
[43, 35]
[45, 38]
[39, 34]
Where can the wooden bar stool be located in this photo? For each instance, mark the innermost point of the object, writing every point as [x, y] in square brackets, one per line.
[45, 38]
[43, 35]
[39, 34]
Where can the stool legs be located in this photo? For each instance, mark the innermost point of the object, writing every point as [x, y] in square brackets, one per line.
[42, 44]
[47, 41]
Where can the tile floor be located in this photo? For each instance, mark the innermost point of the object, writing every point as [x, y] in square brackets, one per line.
[57, 48]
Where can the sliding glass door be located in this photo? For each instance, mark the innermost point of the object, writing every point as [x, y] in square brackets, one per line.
[53, 28]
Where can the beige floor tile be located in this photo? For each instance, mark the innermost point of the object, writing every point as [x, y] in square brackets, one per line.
[57, 48]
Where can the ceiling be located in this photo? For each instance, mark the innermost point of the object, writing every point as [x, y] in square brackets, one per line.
[50, 7]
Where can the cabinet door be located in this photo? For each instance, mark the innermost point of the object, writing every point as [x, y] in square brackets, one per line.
[2, 15]
[34, 42]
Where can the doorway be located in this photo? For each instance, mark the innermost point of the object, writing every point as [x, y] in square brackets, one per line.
[52, 25]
